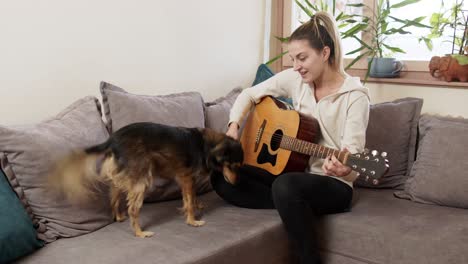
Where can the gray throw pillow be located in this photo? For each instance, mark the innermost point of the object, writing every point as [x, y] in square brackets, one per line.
[439, 172]
[26, 155]
[181, 109]
[122, 108]
[217, 112]
[393, 129]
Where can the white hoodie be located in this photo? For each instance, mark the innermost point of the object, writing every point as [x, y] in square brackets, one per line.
[343, 116]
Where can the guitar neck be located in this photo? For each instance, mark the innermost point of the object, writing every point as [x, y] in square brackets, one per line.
[311, 149]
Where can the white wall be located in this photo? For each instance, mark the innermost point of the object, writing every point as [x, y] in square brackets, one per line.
[53, 52]
[437, 100]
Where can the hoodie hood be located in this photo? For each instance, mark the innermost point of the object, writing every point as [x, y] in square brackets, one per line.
[351, 84]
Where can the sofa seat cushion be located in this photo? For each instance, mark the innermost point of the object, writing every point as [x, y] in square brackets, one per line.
[384, 229]
[230, 235]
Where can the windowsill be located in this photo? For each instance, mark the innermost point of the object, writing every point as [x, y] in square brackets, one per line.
[410, 77]
[418, 78]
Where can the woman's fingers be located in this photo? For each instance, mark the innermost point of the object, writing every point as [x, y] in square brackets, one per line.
[333, 167]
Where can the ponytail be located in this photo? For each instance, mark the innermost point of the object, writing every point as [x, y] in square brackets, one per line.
[321, 31]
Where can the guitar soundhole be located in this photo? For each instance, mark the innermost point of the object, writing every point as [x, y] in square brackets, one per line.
[276, 140]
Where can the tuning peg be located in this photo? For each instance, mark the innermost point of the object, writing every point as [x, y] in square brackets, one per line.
[375, 153]
[384, 154]
[366, 151]
[363, 169]
[375, 181]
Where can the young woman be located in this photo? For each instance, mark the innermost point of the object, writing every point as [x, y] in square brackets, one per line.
[320, 88]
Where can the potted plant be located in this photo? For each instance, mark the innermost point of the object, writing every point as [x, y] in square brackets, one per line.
[453, 66]
[383, 25]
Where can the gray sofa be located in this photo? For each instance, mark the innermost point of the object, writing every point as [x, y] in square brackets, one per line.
[380, 228]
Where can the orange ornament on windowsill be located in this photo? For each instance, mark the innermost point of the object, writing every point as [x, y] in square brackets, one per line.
[449, 68]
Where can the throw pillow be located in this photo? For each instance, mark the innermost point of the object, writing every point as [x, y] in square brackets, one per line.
[182, 109]
[264, 73]
[28, 152]
[17, 234]
[217, 112]
[122, 108]
[393, 129]
[439, 172]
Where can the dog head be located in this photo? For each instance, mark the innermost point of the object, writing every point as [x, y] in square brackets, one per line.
[226, 155]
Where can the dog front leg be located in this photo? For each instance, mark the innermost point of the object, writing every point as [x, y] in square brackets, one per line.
[188, 196]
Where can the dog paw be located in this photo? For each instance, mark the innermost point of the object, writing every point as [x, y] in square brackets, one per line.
[144, 234]
[196, 223]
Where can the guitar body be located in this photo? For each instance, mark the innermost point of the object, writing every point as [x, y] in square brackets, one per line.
[266, 125]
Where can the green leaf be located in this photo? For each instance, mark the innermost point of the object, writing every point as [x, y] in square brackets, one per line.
[356, 5]
[384, 27]
[356, 50]
[404, 3]
[414, 22]
[340, 15]
[362, 42]
[462, 59]
[314, 7]
[283, 40]
[307, 11]
[369, 64]
[357, 28]
[275, 58]
[356, 60]
[428, 42]
[394, 49]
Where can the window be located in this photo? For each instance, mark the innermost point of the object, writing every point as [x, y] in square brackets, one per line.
[416, 50]
[417, 54]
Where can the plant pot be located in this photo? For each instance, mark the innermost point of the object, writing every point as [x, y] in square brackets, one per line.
[385, 67]
[447, 68]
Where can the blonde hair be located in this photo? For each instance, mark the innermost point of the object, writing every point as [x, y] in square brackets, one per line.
[321, 31]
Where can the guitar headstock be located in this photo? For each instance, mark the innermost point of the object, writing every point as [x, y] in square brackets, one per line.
[370, 165]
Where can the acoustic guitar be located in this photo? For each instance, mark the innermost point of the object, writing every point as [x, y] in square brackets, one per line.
[280, 140]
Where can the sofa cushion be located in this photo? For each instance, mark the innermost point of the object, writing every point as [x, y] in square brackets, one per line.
[217, 112]
[17, 234]
[384, 229]
[182, 109]
[230, 235]
[393, 129]
[26, 155]
[122, 108]
[441, 161]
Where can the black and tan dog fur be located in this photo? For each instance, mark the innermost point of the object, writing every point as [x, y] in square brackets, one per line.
[134, 155]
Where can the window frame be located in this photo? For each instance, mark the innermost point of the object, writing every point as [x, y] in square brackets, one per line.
[414, 72]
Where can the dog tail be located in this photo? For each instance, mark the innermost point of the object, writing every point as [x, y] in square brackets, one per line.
[77, 177]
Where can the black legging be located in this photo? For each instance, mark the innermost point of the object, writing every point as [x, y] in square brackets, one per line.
[299, 198]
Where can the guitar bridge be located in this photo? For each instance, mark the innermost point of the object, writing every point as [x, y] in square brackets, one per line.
[259, 134]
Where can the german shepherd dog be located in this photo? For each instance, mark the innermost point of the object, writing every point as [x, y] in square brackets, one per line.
[134, 155]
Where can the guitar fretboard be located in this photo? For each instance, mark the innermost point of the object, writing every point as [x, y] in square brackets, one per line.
[309, 148]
